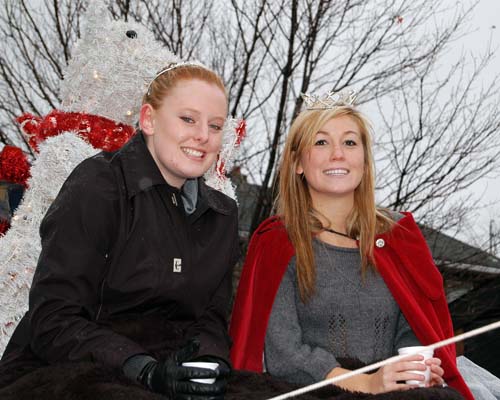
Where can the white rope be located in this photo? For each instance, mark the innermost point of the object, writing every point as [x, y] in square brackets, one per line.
[368, 368]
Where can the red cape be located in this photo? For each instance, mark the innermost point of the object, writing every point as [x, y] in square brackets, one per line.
[404, 262]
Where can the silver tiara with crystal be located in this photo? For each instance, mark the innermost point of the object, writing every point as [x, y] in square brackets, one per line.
[173, 66]
[329, 100]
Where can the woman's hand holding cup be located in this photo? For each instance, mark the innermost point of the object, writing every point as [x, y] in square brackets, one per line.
[433, 374]
[437, 372]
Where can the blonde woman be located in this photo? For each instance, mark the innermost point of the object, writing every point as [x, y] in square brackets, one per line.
[333, 282]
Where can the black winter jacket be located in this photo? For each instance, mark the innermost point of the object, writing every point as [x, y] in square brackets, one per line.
[118, 249]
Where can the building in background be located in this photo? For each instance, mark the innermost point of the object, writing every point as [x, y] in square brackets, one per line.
[472, 284]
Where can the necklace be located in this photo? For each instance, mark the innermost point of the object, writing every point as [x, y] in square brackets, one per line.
[337, 233]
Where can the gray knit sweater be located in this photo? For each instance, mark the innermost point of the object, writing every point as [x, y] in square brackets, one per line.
[346, 318]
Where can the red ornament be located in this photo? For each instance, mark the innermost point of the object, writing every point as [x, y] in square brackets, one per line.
[399, 19]
[4, 227]
[240, 134]
[102, 133]
[241, 131]
[14, 166]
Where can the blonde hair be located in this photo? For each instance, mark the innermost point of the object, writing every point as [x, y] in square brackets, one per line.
[164, 82]
[294, 203]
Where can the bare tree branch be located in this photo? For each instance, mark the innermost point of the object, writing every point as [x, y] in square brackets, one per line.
[268, 52]
[35, 47]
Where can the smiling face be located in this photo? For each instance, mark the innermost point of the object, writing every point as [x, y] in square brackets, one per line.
[335, 163]
[184, 134]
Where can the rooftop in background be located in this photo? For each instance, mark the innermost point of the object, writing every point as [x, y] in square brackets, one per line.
[447, 250]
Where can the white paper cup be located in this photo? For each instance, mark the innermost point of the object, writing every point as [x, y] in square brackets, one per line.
[202, 364]
[423, 351]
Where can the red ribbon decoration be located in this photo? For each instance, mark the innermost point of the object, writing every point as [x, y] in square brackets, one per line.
[102, 133]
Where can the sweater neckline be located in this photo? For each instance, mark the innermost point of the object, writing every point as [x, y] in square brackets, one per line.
[336, 248]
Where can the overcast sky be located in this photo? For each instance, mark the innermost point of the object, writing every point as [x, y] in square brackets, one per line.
[483, 28]
[485, 25]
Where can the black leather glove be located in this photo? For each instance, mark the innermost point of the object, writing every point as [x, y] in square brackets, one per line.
[171, 378]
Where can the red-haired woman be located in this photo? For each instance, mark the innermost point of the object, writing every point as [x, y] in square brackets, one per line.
[134, 277]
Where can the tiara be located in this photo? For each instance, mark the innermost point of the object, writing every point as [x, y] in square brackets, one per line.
[329, 100]
[172, 66]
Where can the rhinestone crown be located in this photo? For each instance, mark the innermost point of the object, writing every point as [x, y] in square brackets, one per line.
[329, 100]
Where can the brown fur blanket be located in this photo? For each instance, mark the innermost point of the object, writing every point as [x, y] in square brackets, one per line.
[87, 381]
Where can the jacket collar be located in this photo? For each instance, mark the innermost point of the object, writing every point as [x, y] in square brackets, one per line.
[214, 199]
[139, 168]
[141, 174]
